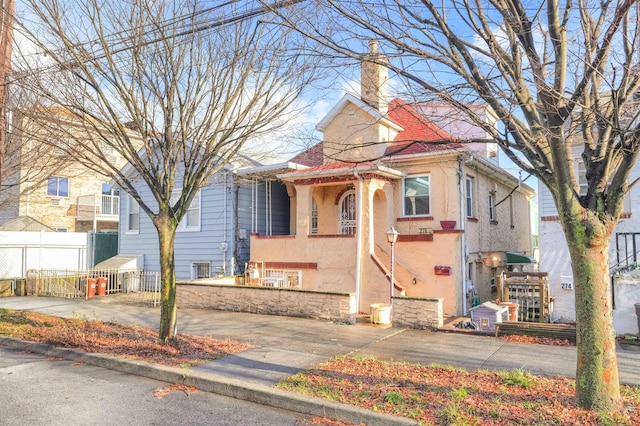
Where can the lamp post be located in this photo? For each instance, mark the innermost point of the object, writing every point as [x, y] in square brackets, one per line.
[392, 237]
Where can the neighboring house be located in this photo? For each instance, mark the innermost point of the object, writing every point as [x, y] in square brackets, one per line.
[42, 182]
[624, 253]
[385, 164]
[213, 238]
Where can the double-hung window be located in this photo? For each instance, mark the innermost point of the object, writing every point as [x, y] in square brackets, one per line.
[314, 216]
[133, 216]
[468, 192]
[416, 196]
[191, 219]
[492, 207]
[58, 186]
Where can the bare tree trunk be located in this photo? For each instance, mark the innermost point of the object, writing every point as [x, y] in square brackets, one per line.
[168, 308]
[597, 385]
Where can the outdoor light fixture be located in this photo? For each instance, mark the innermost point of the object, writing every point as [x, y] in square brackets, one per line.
[392, 237]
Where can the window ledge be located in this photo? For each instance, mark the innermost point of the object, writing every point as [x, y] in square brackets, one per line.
[472, 219]
[493, 222]
[413, 218]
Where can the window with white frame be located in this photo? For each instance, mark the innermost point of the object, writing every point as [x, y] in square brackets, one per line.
[582, 177]
[416, 196]
[492, 207]
[133, 216]
[314, 216]
[347, 223]
[58, 186]
[468, 192]
[191, 219]
[200, 270]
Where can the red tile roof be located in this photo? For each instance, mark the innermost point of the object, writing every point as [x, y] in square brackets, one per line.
[419, 135]
[310, 157]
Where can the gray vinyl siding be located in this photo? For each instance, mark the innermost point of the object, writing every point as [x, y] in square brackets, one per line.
[217, 225]
[202, 245]
[253, 218]
[280, 210]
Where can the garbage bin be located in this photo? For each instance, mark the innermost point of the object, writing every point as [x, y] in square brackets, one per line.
[91, 287]
[381, 313]
[102, 286]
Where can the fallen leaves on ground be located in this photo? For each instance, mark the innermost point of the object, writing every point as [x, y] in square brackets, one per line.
[446, 395]
[162, 392]
[112, 338]
[429, 394]
[537, 340]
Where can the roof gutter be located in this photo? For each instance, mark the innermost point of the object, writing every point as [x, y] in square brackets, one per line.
[357, 169]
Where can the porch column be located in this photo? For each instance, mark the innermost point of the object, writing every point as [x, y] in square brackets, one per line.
[303, 210]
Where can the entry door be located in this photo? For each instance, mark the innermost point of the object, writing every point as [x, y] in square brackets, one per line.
[347, 225]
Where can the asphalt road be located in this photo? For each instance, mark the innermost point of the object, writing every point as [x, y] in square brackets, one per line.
[37, 391]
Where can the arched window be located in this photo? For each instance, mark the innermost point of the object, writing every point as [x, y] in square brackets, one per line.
[347, 224]
[314, 216]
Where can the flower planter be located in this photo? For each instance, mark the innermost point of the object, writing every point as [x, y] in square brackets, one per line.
[448, 224]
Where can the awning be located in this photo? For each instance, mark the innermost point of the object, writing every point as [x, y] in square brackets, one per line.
[122, 262]
[518, 258]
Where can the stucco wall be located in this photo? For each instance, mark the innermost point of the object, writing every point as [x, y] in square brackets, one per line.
[349, 136]
[338, 307]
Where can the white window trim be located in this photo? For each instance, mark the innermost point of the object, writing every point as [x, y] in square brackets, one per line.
[348, 226]
[469, 206]
[404, 207]
[193, 268]
[130, 203]
[58, 187]
[182, 226]
[314, 216]
[492, 207]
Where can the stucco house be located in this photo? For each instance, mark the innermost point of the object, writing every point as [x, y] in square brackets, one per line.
[624, 255]
[461, 219]
[42, 182]
[213, 238]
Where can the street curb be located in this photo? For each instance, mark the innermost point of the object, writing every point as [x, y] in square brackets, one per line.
[210, 382]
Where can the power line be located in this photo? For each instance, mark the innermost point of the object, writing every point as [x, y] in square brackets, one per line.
[252, 13]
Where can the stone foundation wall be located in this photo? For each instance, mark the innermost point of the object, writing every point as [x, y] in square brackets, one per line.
[339, 307]
[415, 312]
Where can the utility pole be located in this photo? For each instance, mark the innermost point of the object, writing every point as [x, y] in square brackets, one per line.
[6, 43]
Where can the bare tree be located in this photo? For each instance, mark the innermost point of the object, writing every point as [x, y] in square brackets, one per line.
[176, 88]
[6, 43]
[559, 76]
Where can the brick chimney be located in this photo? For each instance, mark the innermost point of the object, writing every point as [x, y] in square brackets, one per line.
[374, 77]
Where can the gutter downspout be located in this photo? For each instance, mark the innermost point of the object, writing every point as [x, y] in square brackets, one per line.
[224, 224]
[463, 240]
[358, 240]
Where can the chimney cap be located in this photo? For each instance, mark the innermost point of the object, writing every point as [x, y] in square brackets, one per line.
[373, 45]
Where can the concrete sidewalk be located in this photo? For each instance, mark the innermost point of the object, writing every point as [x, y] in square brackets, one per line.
[285, 345]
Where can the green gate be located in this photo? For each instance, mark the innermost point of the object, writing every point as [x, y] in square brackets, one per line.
[104, 245]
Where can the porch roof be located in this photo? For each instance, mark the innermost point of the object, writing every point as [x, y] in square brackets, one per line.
[343, 169]
[271, 169]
